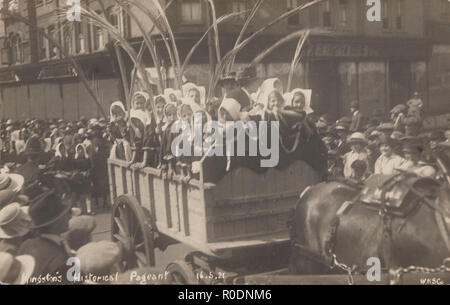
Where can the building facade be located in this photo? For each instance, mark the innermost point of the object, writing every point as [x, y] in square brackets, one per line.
[348, 57]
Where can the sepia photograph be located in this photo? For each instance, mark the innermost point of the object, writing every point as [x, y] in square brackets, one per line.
[242, 144]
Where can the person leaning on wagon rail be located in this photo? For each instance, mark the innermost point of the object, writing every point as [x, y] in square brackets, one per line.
[138, 121]
[389, 161]
[166, 158]
[121, 149]
[153, 132]
[414, 163]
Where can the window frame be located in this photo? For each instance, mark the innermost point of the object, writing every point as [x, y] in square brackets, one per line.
[445, 9]
[101, 41]
[54, 35]
[399, 17]
[294, 20]
[385, 20]
[343, 8]
[326, 15]
[191, 21]
[16, 51]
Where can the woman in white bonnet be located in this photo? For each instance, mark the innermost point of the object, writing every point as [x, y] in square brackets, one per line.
[117, 112]
[138, 103]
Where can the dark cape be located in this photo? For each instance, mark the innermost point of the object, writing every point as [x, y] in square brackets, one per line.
[299, 140]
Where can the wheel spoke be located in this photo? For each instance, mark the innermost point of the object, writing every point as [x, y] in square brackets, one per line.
[129, 229]
[125, 216]
[178, 279]
[121, 226]
[140, 259]
[123, 240]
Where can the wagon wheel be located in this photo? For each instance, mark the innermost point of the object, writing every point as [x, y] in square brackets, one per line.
[181, 272]
[130, 227]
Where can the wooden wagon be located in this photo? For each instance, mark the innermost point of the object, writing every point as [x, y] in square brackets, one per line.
[237, 225]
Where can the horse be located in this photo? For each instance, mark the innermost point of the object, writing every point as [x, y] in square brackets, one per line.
[332, 226]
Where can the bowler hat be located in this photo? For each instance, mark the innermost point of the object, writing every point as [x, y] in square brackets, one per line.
[46, 209]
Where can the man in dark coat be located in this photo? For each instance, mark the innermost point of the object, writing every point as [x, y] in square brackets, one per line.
[50, 218]
[30, 170]
[356, 124]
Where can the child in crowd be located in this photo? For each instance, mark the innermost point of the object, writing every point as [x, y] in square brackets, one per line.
[121, 149]
[167, 159]
[81, 180]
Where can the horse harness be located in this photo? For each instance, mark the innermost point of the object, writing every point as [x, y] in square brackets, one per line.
[386, 214]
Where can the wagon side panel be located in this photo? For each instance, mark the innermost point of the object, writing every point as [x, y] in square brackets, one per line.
[239, 210]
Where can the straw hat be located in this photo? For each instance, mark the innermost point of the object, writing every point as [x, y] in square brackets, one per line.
[14, 221]
[386, 126]
[16, 270]
[357, 137]
[12, 182]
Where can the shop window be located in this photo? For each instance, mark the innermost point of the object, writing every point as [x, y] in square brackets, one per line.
[343, 13]
[385, 14]
[120, 20]
[97, 37]
[399, 17]
[191, 11]
[327, 14]
[52, 49]
[67, 40]
[15, 49]
[42, 46]
[445, 8]
[79, 38]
